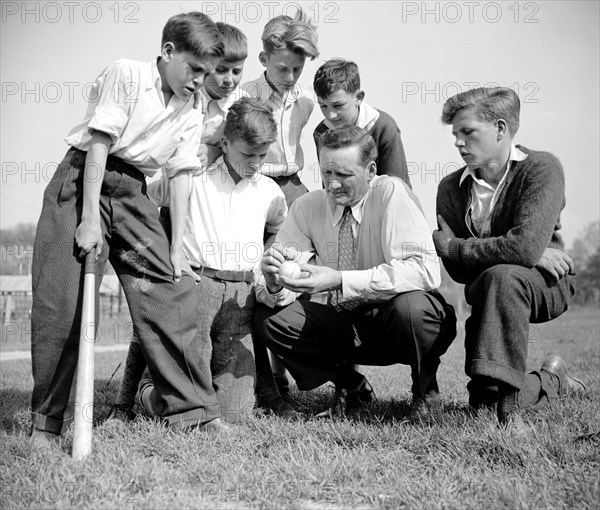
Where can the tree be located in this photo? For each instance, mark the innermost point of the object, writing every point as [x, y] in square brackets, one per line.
[586, 258]
[17, 248]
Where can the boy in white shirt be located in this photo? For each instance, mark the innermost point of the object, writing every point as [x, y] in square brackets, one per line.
[230, 208]
[139, 119]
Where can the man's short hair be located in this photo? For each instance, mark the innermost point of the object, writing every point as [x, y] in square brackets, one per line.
[352, 136]
[235, 44]
[193, 32]
[296, 34]
[490, 103]
[336, 74]
[250, 120]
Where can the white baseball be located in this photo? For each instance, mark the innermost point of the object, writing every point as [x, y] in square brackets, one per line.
[289, 269]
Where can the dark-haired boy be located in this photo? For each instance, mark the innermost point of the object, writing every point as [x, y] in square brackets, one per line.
[139, 119]
[337, 86]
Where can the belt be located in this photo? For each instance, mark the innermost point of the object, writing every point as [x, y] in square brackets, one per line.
[225, 275]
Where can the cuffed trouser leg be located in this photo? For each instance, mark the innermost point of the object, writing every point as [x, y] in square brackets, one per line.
[57, 281]
[164, 313]
[504, 300]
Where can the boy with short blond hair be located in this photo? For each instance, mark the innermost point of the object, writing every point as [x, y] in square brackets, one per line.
[337, 86]
[139, 119]
[287, 43]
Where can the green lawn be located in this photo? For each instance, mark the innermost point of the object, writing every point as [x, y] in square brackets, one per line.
[371, 461]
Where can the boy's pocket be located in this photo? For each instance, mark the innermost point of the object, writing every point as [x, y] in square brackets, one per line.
[70, 174]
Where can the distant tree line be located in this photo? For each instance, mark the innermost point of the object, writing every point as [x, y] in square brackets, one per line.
[17, 249]
[17, 252]
[585, 253]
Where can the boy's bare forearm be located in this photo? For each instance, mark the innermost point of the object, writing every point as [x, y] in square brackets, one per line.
[178, 205]
[88, 235]
[95, 166]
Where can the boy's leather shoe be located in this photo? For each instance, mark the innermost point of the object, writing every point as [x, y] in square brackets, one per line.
[362, 394]
[513, 422]
[42, 440]
[120, 413]
[344, 400]
[216, 426]
[423, 410]
[567, 384]
[145, 385]
[279, 406]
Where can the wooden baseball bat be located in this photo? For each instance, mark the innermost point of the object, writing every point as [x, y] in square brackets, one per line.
[84, 390]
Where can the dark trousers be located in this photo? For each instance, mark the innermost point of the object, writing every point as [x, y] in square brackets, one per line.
[315, 340]
[505, 299]
[164, 314]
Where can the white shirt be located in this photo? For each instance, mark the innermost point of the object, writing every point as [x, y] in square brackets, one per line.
[484, 196]
[215, 112]
[225, 221]
[367, 116]
[291, 113]
[126, 102]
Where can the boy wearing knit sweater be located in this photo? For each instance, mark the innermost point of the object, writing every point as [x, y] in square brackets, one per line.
[499, 223]
[337, 86]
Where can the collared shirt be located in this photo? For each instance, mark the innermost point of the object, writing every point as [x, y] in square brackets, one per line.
[215, 112]
[355, 217]
[367, 116]
[484, 196]
[126, 102]
[291, 112]
[225, 222]
[395, 251]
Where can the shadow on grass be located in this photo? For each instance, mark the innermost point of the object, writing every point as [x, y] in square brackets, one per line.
[316, 401]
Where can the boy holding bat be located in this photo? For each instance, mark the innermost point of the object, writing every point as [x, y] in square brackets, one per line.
[140, 118]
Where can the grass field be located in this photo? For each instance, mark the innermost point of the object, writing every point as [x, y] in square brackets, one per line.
[370, 461]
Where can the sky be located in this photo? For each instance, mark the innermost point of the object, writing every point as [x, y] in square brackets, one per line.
[412, 56]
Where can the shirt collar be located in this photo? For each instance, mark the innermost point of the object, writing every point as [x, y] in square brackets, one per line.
[357, 209]
[266, 90]
[224, 103]
[219, 166]
[367, 116]
[516, 155]
[152, 80]
[153, 76]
